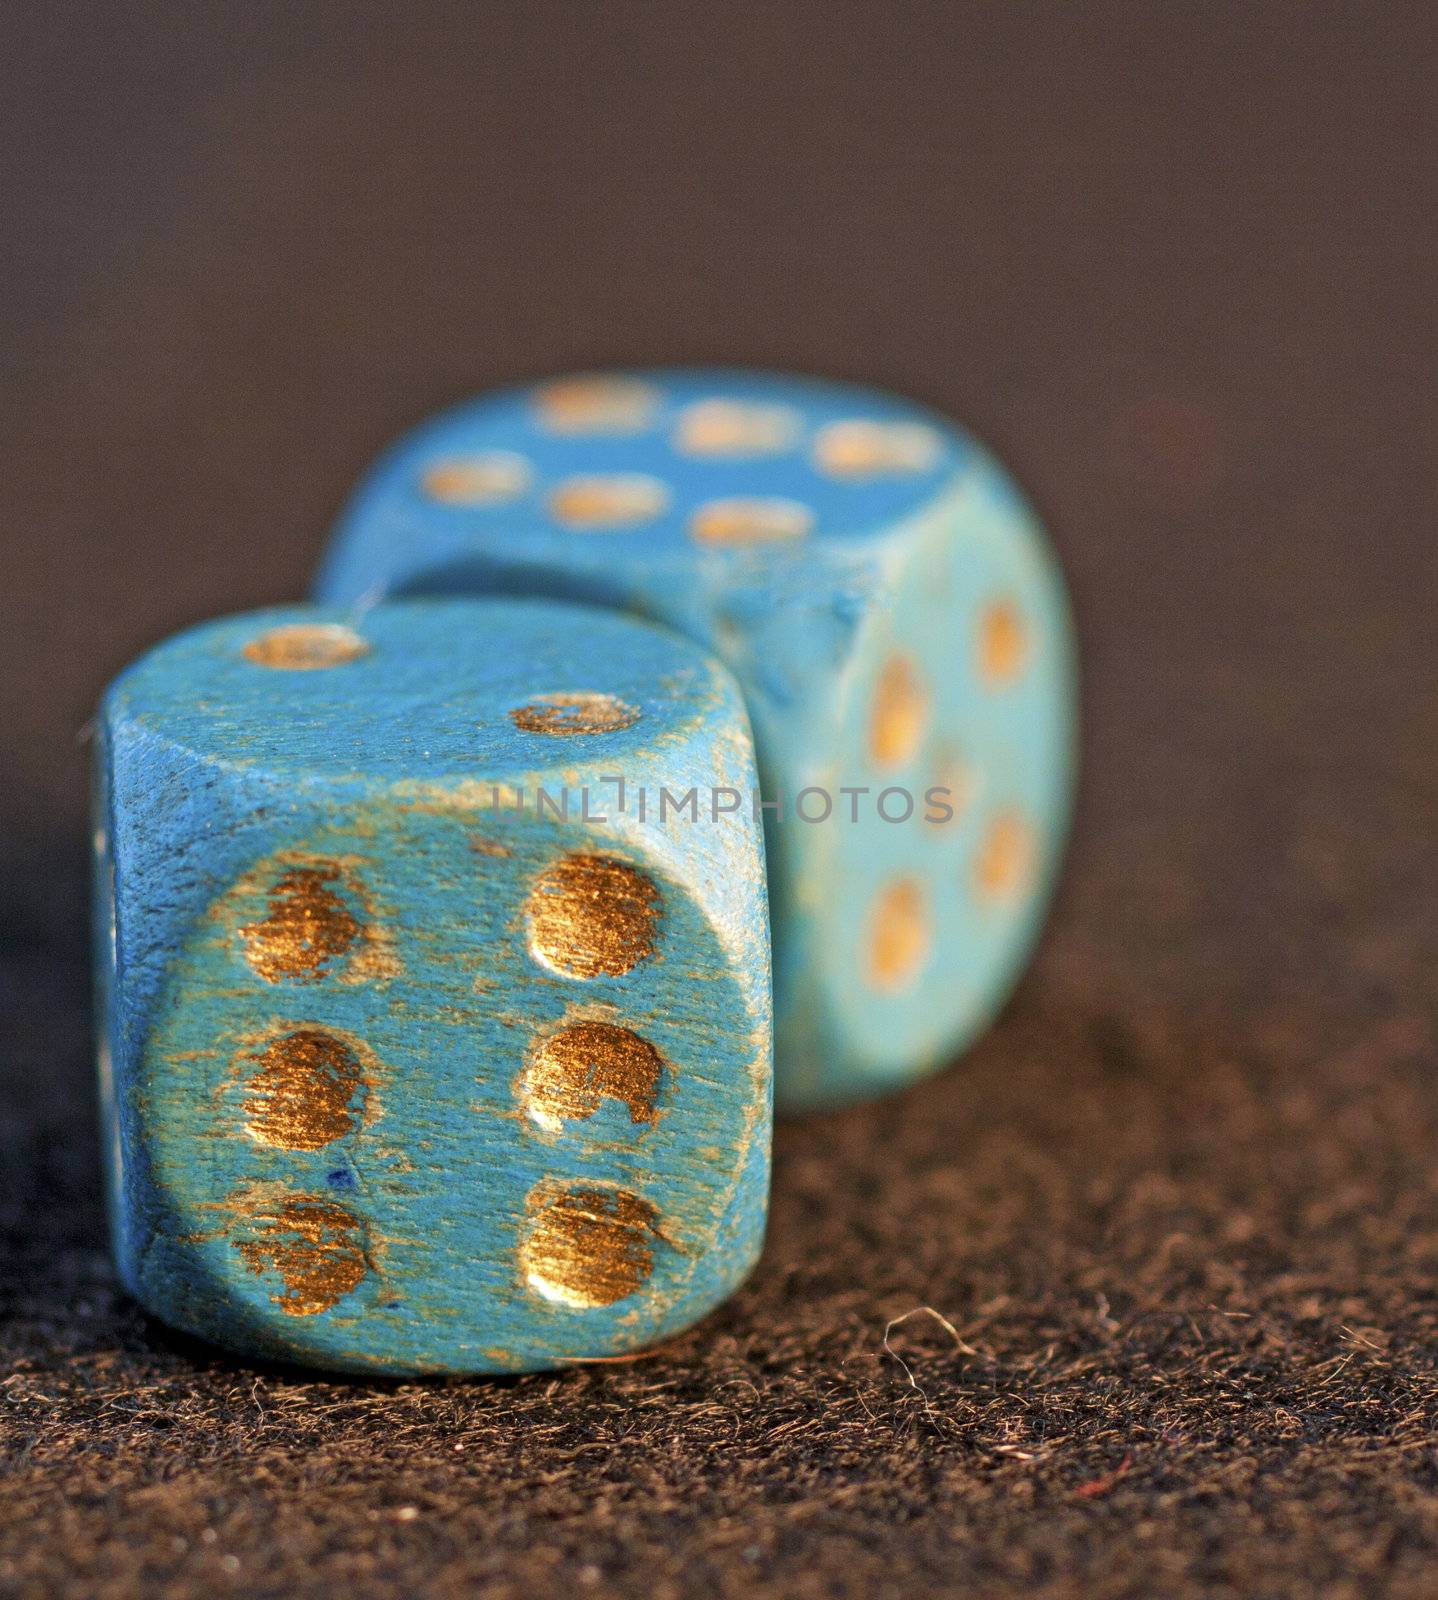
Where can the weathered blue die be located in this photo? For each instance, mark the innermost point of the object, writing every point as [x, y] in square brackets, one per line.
[888, 604]
[418, 1053]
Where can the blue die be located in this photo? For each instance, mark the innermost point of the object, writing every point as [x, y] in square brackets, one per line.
[889, 606]
[418, 1054]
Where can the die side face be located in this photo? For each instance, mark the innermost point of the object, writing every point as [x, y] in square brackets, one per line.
[404, 1081]
[886, 601]
[963, 703]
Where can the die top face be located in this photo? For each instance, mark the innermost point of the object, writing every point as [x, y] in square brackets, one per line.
[400, 1081]
[422, 692]
[668, 467]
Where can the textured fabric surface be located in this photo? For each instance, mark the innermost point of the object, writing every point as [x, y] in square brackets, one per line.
[1141, 1298]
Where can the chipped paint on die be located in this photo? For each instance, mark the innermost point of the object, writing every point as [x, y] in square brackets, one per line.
[303, 1088]
[586, 1246]
[315, 1246]
[564, 714]
[305, 918]
[585, 1062]
[591, 914]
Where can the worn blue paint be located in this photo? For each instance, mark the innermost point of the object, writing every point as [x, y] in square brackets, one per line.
[900, 560]
[216, 775]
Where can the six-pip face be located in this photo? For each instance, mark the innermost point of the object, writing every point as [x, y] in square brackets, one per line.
[422, 1054]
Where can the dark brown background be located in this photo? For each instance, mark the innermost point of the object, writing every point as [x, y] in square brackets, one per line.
[1176, 263]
